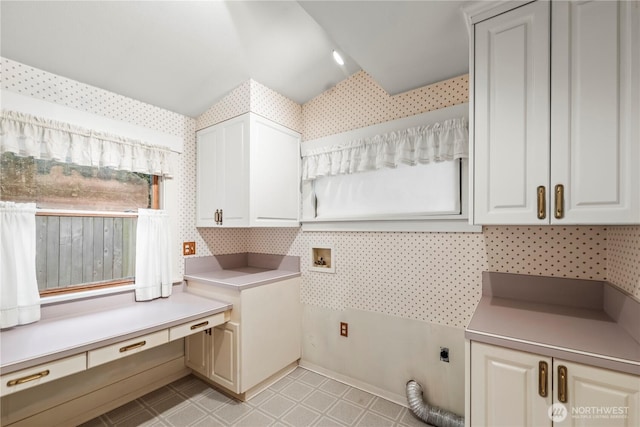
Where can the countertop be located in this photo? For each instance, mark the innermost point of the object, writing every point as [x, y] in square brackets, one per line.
[577, 320]
[241, 271]
[50, 339]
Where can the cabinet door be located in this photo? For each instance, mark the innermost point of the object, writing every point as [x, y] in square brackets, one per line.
[275, 174]
[505, 387]
[207, 196]
[224, 363]
[511, 110]
[196, 349]
[223, 173]
[598, 397]
[595, 97]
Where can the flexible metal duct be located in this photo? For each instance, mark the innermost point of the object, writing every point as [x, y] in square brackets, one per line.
[430, 414]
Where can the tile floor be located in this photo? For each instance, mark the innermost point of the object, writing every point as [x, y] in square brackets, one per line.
[303, 398]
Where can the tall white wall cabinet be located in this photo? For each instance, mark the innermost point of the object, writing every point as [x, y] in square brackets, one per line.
[515, 388]
[556, 113]
[248, 174]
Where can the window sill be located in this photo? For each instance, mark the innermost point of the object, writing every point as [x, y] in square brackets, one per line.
[457, 225]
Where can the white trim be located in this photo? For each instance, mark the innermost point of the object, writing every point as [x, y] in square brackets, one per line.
[435, 224]
[68, 212]
[25, 104]
[85, 294]
[555, 347]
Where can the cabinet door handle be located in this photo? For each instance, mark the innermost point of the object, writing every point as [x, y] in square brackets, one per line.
[542, 379]
[133, 346]
[559, 213]
[216, 216]
[28, 378]
[200, 325]
[221, 217]
[542, 202]
[562, 384]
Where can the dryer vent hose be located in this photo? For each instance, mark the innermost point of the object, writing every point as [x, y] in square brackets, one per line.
[430, 414]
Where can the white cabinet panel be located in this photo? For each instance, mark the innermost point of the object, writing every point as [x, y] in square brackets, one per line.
[599, 397]
[126, 348]
[248, 174]
[196, 326]
[275, 174]
[505, 388]
[557, 110]
[511, 114]
[31, 377]
[595, 115]
[505, 391]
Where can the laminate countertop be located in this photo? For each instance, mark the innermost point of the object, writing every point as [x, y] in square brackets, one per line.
[241, 271]
[97, 325]
[585, 321]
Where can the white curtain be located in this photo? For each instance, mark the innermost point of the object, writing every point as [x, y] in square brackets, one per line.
[153, 255]
[447, 140]
[29, 136]
[20, 302]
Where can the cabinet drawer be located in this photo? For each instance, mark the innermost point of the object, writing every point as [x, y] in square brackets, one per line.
[126, 348]
[44, 373]
[196, 326]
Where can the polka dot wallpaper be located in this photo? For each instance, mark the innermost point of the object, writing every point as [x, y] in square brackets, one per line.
[434, 277]
[257, 98]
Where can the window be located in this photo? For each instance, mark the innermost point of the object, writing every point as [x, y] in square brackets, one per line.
[409, 174]
[86, 223]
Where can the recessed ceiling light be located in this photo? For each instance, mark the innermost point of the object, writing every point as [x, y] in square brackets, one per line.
[338, 58]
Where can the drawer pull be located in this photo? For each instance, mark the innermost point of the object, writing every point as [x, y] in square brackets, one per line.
[132, 346]
[200, 325]
[562, 384]
[542, 379]
[559, 213]
[28, 378]
[542, 204]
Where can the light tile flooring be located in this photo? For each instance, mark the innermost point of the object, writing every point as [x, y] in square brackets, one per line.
[303, 398]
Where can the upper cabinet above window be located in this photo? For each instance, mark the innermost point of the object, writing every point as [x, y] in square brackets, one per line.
[556, 105]
[248, 174]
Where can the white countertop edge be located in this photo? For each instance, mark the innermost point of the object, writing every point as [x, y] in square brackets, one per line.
[229, 283]
[27, 331]
[599, 360]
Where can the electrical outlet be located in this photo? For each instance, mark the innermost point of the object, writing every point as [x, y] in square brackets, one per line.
[188, 248]
[344, 329]
[444, 354]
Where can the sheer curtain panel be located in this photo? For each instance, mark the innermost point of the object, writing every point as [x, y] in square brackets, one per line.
[20, 303]
[153, 255]
[29, 136]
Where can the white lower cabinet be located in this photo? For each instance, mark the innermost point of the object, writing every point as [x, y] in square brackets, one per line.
[515, 388]
[262, 338]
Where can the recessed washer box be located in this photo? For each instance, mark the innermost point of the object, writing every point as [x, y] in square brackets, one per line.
[322, 259]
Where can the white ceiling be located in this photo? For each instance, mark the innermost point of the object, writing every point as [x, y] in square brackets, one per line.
[186, 55]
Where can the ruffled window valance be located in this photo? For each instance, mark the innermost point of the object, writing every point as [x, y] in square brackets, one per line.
[447, 140]
[30, 136]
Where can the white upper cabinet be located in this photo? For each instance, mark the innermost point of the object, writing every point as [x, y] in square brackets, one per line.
[511, 108]
[556, 112]
[248, 174]
[595, 114]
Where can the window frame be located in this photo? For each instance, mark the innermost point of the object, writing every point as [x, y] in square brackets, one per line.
[155, 204]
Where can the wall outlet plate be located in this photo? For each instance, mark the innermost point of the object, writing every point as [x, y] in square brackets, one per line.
[188, 248]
